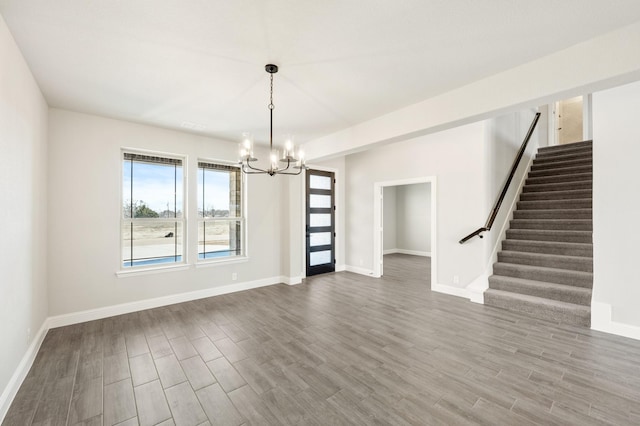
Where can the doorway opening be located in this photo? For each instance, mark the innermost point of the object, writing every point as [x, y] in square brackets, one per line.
[572, 118]
[405, 228]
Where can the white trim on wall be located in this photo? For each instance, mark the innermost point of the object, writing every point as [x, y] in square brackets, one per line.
[140, 305]
[478, 286]
[411, 252]
[450, 290]
[602, 320]
[23, 368]
[11, 390]
[358, 270]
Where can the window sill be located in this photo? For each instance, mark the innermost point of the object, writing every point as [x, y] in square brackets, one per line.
[218, 262]
[156, 270]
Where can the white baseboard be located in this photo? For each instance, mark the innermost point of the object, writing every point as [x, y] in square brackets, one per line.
[126, 308]
[476, 289]
[11, 390]
[453, 291]
[358, 270]
[411, 252]
[341, 268]
[291, 280]
[601, 320]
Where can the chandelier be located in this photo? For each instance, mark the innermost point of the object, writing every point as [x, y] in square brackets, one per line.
[294, 163]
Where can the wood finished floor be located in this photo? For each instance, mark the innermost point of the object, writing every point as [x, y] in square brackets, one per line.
[339, 349]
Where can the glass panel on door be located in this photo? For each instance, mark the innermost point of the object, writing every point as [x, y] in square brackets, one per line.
[319, 239]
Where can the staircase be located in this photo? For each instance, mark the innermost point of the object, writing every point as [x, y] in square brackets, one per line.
[545, 268]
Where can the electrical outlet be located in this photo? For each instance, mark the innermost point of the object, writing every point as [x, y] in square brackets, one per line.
[361, 262]
[234, 276]
[456, 279]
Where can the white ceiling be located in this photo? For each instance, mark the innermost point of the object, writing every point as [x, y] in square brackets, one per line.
[165, 62]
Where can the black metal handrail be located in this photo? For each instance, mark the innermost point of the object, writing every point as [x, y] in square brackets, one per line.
[492, 216]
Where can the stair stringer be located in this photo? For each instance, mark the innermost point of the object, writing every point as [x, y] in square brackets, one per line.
[477, 287]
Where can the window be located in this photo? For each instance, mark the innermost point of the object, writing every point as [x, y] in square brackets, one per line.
[220, 212]
[152, 204]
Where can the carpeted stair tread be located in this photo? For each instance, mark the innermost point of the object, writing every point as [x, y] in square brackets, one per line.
[538, 307]
[548, 165]
[553, 214]
[558, 186]
[553, 224]
[560, 292]
[571, 194]
[545, 267]
[588, 168]
[557, 261]
[565, 147]
[586, 155]
[551, 235]
[585, 150]
[577, 203]
[575, 177]
[549, 247]
[541, 273]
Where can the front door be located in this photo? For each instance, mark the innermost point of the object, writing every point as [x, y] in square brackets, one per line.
[320, 222]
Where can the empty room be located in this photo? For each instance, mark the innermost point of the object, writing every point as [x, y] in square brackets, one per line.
[319, 213]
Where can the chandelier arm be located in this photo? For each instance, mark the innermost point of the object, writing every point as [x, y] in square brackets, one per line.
[290, 173]
[288, 164]
[257, 170]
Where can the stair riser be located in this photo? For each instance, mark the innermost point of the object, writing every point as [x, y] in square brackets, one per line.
[553, 214]
[554, 204]
[565, 186]
[560, 165]
[566, 237]
[580, 264]
[576, 177]
[561, 250]
[551, 159]
[541, 312]
[551, 225]
[558, 276]
[563, 294]
[556, 195]
[561, 171]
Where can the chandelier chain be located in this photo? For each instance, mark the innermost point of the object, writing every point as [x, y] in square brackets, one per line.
[271, 106]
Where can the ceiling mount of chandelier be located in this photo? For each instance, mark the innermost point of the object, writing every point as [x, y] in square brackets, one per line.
[286, 163]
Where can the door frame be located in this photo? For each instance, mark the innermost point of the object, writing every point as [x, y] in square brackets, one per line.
[587, 119]
[378, 222]
[337, 217]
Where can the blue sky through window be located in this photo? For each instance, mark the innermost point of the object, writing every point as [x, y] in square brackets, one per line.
[153, 183]
[216, 189]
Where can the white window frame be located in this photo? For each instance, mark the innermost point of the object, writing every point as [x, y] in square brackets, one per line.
[181, 221]
[242, 219]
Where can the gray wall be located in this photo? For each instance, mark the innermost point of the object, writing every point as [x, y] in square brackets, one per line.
[413, 216]
[23, 209]
[504, 136]
[82, 276]
[407, 218]
[452, 156]
[390, 222]
[616, 149]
